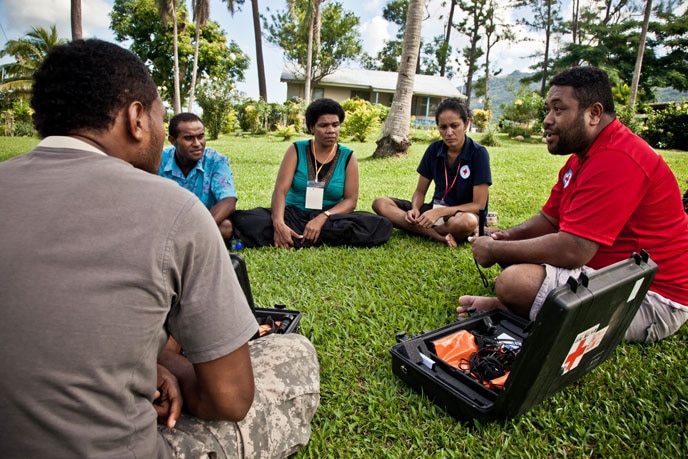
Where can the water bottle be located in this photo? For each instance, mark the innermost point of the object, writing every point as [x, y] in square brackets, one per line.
[236, 244]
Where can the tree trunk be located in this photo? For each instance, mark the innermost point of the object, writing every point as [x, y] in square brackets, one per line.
[443, 68]
[309, 64]
[394, 140]
[545, 64]
[77, 32]
[639, 56]
[177, 91]
[262, 87]
[195, 68]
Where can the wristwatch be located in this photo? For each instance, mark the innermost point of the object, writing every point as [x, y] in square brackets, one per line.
[327, 213]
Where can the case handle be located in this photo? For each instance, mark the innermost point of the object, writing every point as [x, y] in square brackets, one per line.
[573, 283]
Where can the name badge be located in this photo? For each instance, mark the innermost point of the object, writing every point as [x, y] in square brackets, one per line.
[314, 195]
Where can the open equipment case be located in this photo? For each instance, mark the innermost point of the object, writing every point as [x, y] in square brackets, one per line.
[270, 320]
[579, 327]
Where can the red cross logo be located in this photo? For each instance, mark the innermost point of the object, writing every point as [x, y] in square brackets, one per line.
[572, 359]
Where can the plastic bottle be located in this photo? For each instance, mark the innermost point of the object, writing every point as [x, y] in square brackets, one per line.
[236, 244]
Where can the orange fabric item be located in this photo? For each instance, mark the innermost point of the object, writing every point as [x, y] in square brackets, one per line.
[497, 383]
[456, 347]
[267, 328]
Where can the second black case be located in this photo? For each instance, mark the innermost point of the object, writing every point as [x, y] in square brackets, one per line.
[277, 319]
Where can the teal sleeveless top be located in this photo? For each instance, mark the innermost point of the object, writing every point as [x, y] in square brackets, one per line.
[305, 171]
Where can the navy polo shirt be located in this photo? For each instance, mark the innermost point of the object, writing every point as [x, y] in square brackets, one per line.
[472, 167]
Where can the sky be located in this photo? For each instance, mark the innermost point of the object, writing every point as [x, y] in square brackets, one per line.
[17, 17]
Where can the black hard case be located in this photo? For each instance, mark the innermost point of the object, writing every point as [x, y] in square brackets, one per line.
[290, 320]
[610, 297]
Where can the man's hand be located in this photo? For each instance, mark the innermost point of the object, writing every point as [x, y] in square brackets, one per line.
[482, 250]
[168, 398]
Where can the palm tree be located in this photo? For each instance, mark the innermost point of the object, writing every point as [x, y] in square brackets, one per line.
[395, 132]
[77, 33]
[259, 51]
[28, 53]
[312, 21]
[447, 36]
[201, 12]
[169, 8]
[639, 57]
[260, 64]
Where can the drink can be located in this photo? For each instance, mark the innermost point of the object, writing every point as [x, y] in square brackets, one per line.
[491, 219]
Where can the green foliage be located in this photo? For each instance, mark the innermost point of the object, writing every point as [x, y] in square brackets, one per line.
[489, 139]
[361, 119]
[215, 97]
[28, 53]
[621, 93]
[610, 41]
[286, 132]
[293, 111]
[525, 114]
[16, 120]
[255, 115]
[138, 21]
[628, 117]
[668, 128]
[339, 35]
[481, 119]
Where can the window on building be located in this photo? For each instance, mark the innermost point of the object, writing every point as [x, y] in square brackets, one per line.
[365, 95]
[318, 93]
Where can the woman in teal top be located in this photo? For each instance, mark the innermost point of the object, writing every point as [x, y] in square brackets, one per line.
[315, 193]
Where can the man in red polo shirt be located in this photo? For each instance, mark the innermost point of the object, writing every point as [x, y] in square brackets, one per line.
[614, 196]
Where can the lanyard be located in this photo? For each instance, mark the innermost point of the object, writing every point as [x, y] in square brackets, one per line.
[447, 187]
[315, 160]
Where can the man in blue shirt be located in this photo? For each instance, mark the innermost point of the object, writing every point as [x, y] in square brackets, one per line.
[203, 171]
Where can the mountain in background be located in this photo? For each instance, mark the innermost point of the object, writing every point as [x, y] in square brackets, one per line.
[503, 89]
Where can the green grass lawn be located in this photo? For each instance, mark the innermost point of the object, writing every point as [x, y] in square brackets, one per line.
[354, 301]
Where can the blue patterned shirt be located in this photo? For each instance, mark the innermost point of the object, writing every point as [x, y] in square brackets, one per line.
[211, 178]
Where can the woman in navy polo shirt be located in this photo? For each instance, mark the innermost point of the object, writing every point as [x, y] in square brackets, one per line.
[460, 169]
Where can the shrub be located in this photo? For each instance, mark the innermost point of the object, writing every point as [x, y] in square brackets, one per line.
[361, 118]
[254, 115]
[215, 97]
[489, 139]
[16, 121]
[481, 119]
[286, 132]
[668, 128]
[628, 117]
[293, 110]
[524, 116]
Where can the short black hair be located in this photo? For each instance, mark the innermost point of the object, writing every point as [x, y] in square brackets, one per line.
[589, 84]
[320, 107]
[183, 117]
[84, 84]
[456, 105]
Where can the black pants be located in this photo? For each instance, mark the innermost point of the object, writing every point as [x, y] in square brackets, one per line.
[356, 229]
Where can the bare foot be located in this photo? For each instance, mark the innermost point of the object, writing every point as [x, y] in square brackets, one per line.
[469, 303]
[451, 242]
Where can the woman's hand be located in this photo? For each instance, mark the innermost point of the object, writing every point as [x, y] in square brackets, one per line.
[428, 218]
[284, 236]
[312, 230]
[412, 216]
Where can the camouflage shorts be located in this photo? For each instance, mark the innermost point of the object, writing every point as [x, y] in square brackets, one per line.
[287, 393]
